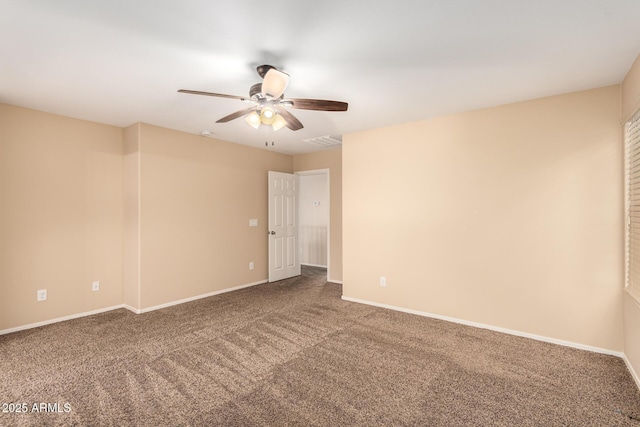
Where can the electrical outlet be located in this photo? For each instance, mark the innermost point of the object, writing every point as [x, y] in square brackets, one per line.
[383, 281]
[95, 286]
[41, 295]
[251, 265]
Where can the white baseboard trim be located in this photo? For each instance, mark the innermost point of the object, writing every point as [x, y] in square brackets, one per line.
[197, 297]
[313, 265]
[493, 328]
[633, 373]
[128, 307]
[339, 282]
[132, 309]
[60, 319]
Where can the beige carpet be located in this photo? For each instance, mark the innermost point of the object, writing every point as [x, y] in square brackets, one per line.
[293, 353]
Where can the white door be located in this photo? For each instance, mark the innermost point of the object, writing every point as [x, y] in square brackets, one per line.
[283, 226]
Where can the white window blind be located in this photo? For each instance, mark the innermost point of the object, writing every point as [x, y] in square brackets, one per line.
[632, 164]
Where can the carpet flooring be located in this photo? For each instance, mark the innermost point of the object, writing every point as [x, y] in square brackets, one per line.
[292, 353]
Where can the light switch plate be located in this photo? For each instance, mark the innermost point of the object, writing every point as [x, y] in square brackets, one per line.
[253, 223]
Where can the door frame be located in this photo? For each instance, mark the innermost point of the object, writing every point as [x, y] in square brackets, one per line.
[326, 172]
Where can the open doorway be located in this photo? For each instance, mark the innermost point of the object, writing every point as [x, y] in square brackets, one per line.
[314, 220]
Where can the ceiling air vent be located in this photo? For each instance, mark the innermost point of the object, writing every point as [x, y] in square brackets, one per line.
[325, 141]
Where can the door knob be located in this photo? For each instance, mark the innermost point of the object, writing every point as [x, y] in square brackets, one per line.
[271, 232]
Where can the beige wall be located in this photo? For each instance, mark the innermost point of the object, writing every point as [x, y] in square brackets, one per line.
[509, 216]
[504, 216]
[332, 160]
[155, 215]
[60, 216]
[631, 105]
[131, 230]
[196, 198]
[631, 91]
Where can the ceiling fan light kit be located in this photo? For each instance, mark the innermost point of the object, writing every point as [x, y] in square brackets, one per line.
[253, 119]
[278, 123]
[267, 115]
[275, 83]
[270, 106]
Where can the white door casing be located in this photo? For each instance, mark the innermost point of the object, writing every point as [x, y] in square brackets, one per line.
[283, 226]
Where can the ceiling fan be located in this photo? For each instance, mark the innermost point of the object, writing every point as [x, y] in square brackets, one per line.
[269, 106]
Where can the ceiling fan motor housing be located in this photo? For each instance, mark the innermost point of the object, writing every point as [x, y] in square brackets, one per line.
[255, 90]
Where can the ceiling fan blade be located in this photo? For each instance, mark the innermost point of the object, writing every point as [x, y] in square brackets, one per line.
[291, 121]
[316, 104]
[235, 115]
[275, 83]
[219, 95]
[262, 69]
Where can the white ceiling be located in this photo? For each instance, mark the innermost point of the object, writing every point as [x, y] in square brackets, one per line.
[122, 61]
